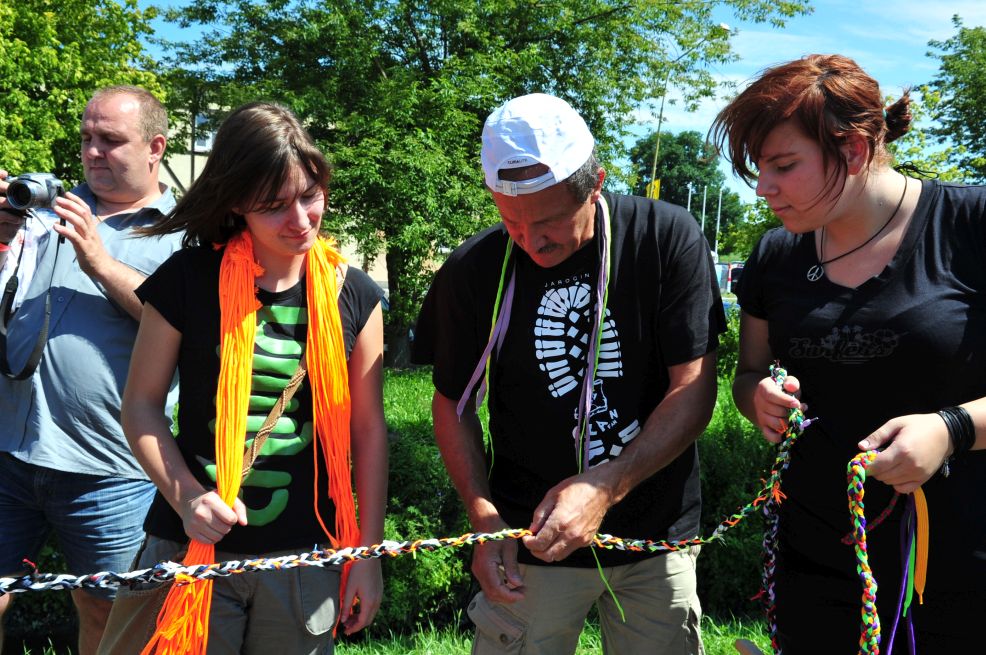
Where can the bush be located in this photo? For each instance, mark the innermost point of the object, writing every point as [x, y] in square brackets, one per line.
[423, 503]
[729, 346]
[735, 459]
[40, 616]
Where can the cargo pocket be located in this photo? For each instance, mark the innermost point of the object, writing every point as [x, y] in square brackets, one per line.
[497, 629]
[318, 589]
[693, 638]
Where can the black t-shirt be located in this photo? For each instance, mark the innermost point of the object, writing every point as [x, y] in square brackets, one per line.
[278, 493]
[663, 309]
[910, 340]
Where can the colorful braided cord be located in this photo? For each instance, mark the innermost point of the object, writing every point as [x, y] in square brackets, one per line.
[796, 424]
[869, 637]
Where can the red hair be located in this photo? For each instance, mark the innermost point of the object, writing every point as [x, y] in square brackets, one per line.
[829, 98]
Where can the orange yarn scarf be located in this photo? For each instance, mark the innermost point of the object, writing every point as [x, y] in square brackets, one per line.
[183, 624]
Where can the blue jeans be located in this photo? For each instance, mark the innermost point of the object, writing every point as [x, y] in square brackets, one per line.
[98, 520]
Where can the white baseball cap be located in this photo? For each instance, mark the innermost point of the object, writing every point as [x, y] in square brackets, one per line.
[529, 130]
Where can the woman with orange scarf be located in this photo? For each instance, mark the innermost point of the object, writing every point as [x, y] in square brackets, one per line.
[256, 292]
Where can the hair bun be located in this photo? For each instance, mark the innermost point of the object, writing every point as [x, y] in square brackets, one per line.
[898, 117]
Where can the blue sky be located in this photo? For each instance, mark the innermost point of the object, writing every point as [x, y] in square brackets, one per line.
[889, 39]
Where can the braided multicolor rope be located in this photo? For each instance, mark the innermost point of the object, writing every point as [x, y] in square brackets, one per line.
[796, 424]
[165, 571]
[869, 637]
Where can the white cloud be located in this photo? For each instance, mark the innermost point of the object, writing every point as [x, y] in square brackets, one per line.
[922, 20]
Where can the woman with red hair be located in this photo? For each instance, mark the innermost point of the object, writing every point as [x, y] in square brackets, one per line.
[873, 296]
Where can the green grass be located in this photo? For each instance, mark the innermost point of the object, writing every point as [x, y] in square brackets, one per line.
[718, 638]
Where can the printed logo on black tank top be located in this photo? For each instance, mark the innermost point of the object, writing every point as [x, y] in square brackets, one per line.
[562, 334]
[848, 344]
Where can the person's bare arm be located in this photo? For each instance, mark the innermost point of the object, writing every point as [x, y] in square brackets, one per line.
[10, 222]
[205, 516]
[369, 451]
[915, 446]
[756, 395]
[461, 443]
[119, 280]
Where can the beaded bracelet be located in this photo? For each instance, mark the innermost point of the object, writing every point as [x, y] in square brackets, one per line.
[961, 432]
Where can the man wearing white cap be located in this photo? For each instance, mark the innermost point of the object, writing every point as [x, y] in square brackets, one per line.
[601, 372]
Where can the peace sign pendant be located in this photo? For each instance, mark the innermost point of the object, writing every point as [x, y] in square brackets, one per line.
[815, 273]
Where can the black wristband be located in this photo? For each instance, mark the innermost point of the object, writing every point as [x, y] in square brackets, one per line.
[961, 429]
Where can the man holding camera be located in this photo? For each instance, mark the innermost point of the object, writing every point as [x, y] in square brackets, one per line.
[64, 463]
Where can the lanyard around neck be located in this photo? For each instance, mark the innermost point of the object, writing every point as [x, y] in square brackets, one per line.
[584, 411]
[501, 320]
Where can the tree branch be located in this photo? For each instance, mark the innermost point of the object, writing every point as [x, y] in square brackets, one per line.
[582, 21]
[418, 42]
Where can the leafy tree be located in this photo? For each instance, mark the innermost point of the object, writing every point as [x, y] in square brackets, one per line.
[960, 86]
[743, 235]
[687, 159]
[53, 55]
[396, 91]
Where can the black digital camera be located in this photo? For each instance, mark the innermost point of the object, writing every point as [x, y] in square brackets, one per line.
[34, 190]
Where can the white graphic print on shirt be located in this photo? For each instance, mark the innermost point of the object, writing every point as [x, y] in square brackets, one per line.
[561, 343]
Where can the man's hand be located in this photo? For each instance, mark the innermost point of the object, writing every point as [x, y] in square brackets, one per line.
[569, 516]
[80, 230]
[460, 441]
[10, 223]
[495, 566]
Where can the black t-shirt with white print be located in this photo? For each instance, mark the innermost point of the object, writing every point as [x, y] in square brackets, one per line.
[663, 309]
[278, 493]
[910, 340]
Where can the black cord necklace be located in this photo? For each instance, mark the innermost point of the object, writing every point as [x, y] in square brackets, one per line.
[816, 272]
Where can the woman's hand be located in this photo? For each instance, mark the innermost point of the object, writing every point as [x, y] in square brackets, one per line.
[207, 519]
[773, 405]
[915, 447]
[364, 591]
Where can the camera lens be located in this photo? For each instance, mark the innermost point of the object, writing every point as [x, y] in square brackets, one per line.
[21, 194]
